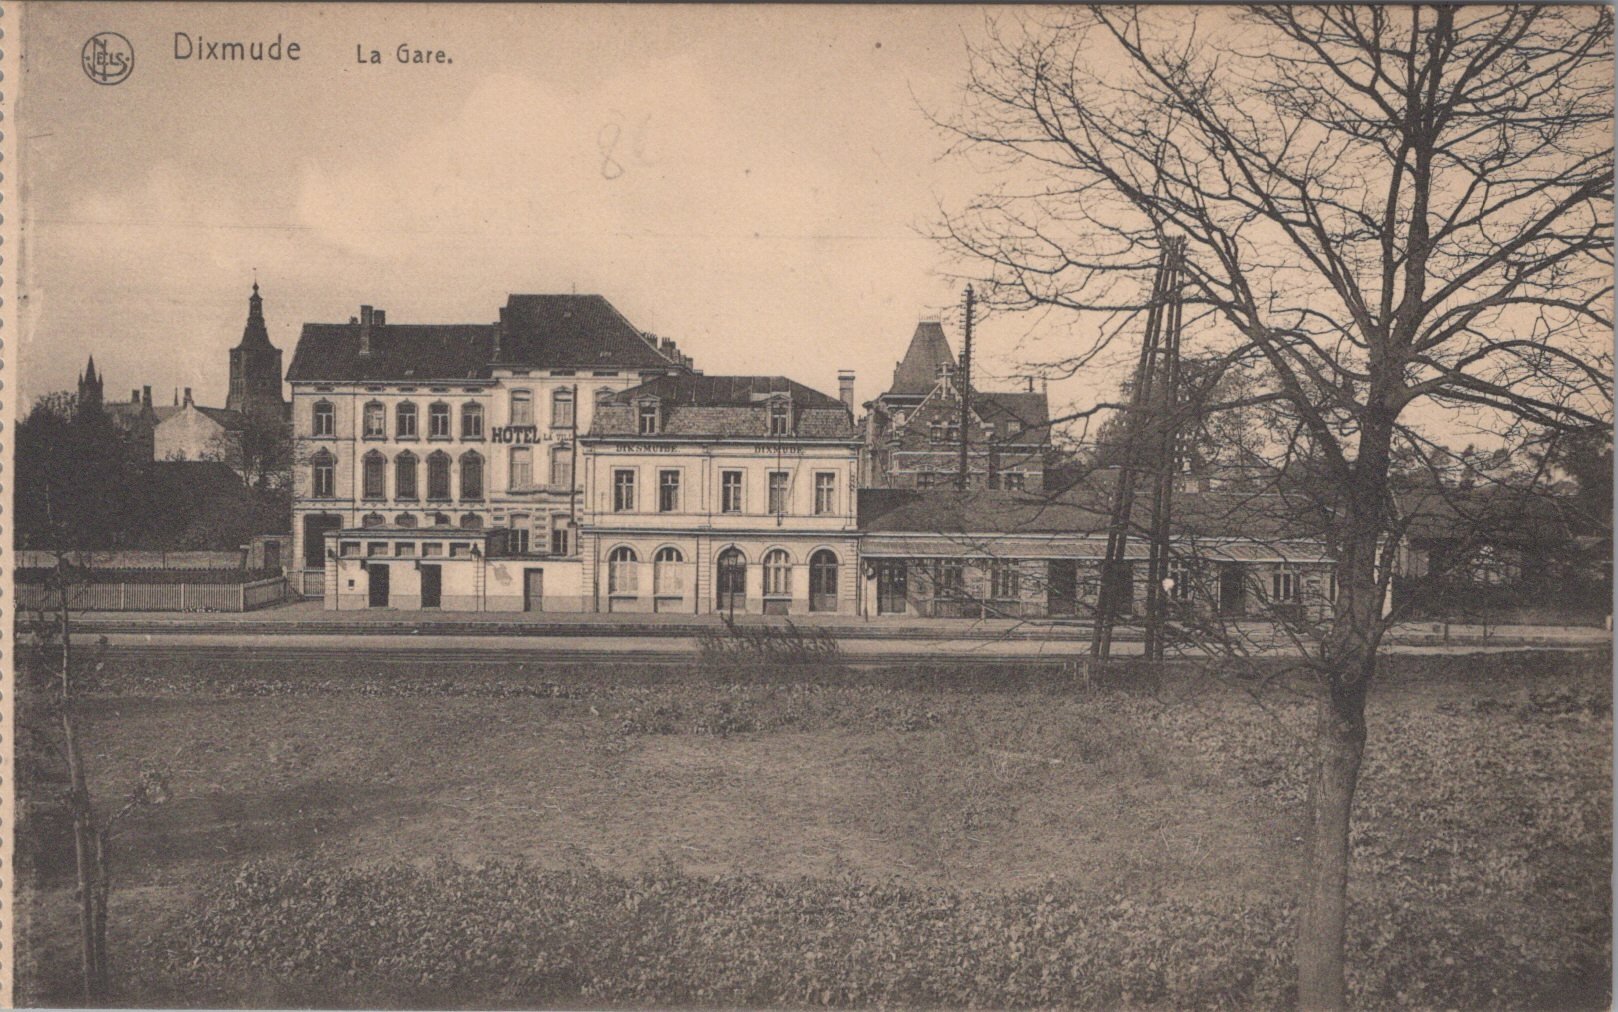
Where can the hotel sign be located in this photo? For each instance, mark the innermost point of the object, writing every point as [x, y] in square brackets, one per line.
[521, 434]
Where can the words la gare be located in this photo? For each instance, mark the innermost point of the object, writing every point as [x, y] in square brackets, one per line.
[403, 54]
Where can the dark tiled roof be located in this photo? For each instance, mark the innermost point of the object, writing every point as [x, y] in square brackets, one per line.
[918, 370]
[1026, 412]
[399, 352]
[225, 417]
[1488, 513]
[736, 406]
[573, 331]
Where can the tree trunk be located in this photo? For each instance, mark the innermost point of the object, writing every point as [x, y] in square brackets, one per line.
[1323, 919]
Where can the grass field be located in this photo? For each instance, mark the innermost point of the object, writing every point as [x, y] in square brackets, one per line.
[1023, 827]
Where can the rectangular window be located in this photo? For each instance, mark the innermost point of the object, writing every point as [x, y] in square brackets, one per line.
[1013, 480]
[1005, 581]
[351, 548]
[623, 491]
[432, 548]
[1283, 586]
[376, 421]
[438, 421]
[522, 468]
[405, 421]
[562, 466]
[780, 418]
[562, 409]
[561, 543]
[460, 549]
[825, 493]
[325, 419]
[522, 407]
[648, 419]
[375, 548]
[471, 421]
[668, 491]
[405, 548]
[948, 578]
[730, 491]
[1180, 584]
[519, 534]
[925, 479]
[778, 492]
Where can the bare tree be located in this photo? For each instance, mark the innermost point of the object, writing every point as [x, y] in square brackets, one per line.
[1401, 218]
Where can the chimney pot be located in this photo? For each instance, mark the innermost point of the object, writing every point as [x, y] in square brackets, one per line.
[378, 317]
[146, 396]
[134, 396]
[365, 330]
[845, 388]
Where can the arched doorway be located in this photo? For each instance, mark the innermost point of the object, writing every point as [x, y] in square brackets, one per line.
[731, 581]
[823, 580]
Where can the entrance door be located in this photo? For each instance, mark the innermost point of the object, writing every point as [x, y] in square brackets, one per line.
[1232, 589]
[432, 586]
[533, 590]
[1062, 587]
[315, 528]
[731, 581]
[892, 585]
[379, 585]
[823, 581]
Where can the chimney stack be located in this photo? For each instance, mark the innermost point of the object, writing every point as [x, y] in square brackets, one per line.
[365, 330]
[499, 333]
[845, 388]
[134, 396]
[378, 317]
[146, 396]
[188, 397]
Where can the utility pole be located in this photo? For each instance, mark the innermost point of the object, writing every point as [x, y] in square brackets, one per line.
[1152, 427]
[965, 381]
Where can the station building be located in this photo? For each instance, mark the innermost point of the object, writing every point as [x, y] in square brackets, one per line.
[729, 494]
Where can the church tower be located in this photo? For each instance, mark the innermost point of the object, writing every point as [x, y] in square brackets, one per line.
[255, 369]
[90, 388]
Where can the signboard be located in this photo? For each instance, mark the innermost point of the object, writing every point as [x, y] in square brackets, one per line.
[520, 434]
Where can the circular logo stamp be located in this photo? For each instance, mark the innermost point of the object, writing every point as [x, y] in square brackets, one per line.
[108, 58]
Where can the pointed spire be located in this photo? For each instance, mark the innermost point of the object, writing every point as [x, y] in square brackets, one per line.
[255, 334]
[90, 369]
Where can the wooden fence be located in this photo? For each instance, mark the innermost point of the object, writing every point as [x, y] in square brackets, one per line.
[156, 596]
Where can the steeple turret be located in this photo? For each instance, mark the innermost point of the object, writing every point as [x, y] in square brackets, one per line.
[255, 368]
[90, 387]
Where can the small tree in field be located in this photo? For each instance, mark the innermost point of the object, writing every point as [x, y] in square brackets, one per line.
[1398, 218]
[71, 469]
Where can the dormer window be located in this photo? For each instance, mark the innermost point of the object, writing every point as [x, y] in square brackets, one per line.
[646, 418]
[780, 417]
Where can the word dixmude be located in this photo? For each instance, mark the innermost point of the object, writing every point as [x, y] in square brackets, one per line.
[187, 47]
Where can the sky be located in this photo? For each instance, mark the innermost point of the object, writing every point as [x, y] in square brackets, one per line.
[754, 182]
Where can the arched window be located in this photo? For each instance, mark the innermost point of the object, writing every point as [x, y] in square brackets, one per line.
[668, 572]
[404, 476]
[438, 475]
[404, 421]
[376, 476]
[323, 475]
[562, 409]
[777, 573]
[730, 570]
[622, 571]
[471, 421]
[376, 420]
[325, 419]
[372, 520]
[471, 522]
[405, 520]
[471, 475]
[823, 580]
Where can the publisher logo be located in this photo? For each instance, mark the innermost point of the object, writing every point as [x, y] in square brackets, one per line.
[108, 58]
